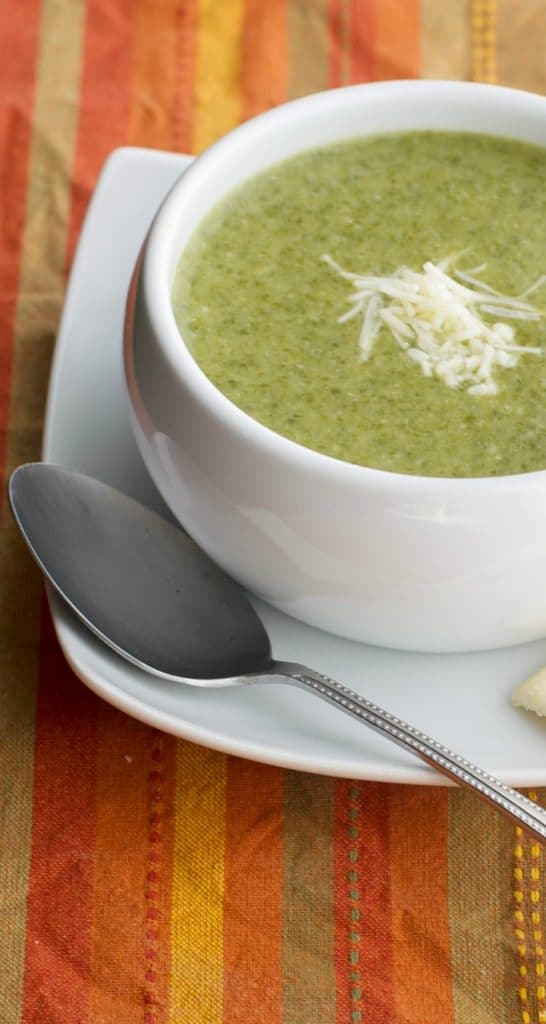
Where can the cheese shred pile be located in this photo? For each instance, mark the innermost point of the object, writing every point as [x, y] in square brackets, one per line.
[436, 318]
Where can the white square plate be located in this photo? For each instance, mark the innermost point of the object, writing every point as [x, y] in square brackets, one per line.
[462, 700]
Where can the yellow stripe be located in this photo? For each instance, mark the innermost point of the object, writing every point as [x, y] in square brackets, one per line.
[38, 307]
[218, 70]
[484, 40]
[198, 886]
[528, 924]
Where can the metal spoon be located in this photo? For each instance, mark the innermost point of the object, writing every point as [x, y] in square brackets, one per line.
[149, 592]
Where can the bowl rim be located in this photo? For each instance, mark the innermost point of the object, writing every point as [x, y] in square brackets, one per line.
[155, 282]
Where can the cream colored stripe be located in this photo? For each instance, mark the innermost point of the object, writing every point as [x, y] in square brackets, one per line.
[484, 40]
[41, 283]
[480, 913]
[308, 903]
[445, 45]
[345, 42]
[38, 307]
[218, 70]
[521, 29]
[197, 948]
[308, 47]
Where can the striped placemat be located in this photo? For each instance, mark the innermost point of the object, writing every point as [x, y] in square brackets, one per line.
[146, 880]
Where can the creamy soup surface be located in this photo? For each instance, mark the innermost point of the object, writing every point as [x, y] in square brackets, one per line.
[259, 308]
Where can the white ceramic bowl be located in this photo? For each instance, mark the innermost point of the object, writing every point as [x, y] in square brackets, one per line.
[401, 561]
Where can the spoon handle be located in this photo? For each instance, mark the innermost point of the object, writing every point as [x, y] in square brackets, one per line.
[528, 815]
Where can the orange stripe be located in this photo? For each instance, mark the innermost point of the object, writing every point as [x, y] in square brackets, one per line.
[363, 903]
[420, 925]
[253, 894]
[362, 29]
[397, 42]
[104, 104]
[154, 82]
[264, 73]
[133, 871]
[18, 47]
[159, 872]
[61, 873]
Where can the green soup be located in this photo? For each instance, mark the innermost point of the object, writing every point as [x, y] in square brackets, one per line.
[259, 308]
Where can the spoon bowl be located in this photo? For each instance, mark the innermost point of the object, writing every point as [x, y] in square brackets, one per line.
[137, 581]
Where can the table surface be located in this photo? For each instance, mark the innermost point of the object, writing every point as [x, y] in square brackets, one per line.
[143, 878]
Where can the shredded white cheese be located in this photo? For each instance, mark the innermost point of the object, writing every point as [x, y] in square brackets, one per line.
[436, 318]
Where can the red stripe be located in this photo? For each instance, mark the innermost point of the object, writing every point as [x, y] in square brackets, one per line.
[363, 946]
[19, 28]
[362, 40]
[135, 775]
[342, 906]
[253, 894]
[105, 98]
[58, 949]
[185, 77]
